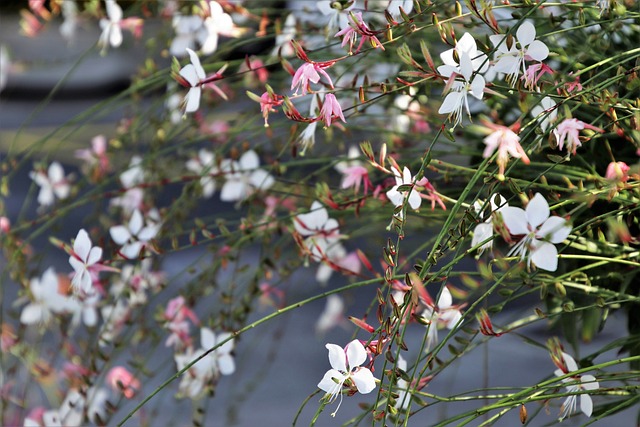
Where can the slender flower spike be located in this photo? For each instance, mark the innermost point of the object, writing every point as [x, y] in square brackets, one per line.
[575, 384]
[510, 59]
[331, 110]
[346, 369]
[540, 232]
[111, 31]
[52, 184]
[569, 131]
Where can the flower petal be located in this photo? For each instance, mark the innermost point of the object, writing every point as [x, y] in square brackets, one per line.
[586, 404]
[337, 357]
[537, 51]
[82, 245]
[537, 210]
[515, 220]
[356, 354]
[328, 385]
[555, 229]
[526, 34]
[544, 255]
[120, 234]
[364, 380]
[226, 364]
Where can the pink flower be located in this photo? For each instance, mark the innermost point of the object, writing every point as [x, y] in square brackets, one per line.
[353, 172]
[569, 130]
[533, 73]
[267, 103]
[120, 379]
[358, 27]
[96, 156]
[617, 171]
[331, 109]
[507, 142]
[309, 72]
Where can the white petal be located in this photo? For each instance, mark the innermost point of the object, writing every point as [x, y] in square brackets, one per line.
[451, 102]
[77, 265]
[526, 34]
[537, 210]
[328, 385]
[131, 250]
[33, 313]
[415, 200]
[94, 255]
[226, 347]
[544, 255]
[569, 362]
[90, 316]
[192, 100]
[226, 364]
[364, 380]
[261, 179]
[207, 338]
[337, 357]
[232, 191]
[120, 234]
[114, 12]
[82, 245]
[188, 72]
[586, 404]
[115, 35]
[356, 354]
[538, 51]
[515, 219]
[195, 60]
[149, 232]
[555, 229]
[445, 300]
[55, 172]
[477, 86]
[136, 222]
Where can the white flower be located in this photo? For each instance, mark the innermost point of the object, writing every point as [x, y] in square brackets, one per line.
[485, 229]
[442, 314]
[332, 315]
[511, 60]
[205, 165]
[114, 317]
[545, 112]
[83, 258]
[578, 383]
[456, 99]
[466, 46]
[320, 231]
[540, 232]
[193, 73]
[47, 300]
[398, 197]
[338, 17]
[221, 360]
[345, 366]
[134, 174]
[70, 14]
[52, 184]
[244, 177]
[217, 23]
[111, 31]
[85, 309]
[135, 235]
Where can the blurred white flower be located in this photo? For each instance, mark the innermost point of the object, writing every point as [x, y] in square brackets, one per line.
[244, 177]
[52, 184]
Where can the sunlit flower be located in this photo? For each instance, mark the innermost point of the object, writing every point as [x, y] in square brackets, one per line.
[244, 177]
[511, 59]
[52, 184]
[576, 384]
[345, 368]
[452, 58]
[540, 232]
[135, 236]
[456, 99]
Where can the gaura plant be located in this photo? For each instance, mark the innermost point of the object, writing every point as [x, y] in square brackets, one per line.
[281, 151]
